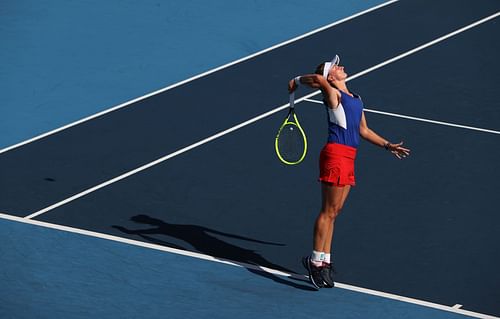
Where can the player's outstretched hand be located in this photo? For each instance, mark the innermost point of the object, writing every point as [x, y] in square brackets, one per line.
[398, 151]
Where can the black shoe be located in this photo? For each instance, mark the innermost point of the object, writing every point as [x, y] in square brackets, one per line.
[314, 272]
[327, 275]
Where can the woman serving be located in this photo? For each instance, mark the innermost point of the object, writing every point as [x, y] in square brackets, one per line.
[346, 123]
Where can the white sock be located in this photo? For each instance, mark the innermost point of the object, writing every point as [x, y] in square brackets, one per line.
[317, 257]
[327, 258]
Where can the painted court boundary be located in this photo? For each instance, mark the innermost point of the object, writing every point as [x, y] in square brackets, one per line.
[420, 119]
[250, 121]
[117, 107]
[454, 309]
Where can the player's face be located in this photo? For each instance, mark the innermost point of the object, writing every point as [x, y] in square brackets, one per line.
[338, 73]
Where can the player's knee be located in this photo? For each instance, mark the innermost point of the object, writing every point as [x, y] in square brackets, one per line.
[332, 211]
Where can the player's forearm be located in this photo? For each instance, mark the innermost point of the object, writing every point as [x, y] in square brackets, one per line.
[373, 137]
[330, 94]
[311, 80]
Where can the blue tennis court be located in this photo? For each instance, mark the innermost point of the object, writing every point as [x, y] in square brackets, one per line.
[143, 201]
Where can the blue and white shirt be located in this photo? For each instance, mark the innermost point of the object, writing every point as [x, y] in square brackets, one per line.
[343, 122]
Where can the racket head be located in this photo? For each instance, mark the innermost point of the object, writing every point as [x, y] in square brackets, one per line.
[291, 141]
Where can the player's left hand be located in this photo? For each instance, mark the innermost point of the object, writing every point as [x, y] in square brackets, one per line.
[398, 151]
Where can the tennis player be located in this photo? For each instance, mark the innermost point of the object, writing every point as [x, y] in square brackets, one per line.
[346, 123]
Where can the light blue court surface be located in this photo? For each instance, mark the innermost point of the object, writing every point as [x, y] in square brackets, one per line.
[55, 274]
[65, 60]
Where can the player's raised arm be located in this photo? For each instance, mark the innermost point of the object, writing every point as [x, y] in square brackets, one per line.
[316, 81]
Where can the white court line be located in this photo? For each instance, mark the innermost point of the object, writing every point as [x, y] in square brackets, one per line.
[117, 107]
[423, 303]
[428, 44]
[421, 119]
[236, 127]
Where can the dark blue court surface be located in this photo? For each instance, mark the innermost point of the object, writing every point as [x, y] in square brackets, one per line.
[424, 228]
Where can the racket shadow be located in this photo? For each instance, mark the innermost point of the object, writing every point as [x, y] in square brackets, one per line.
[207, 241]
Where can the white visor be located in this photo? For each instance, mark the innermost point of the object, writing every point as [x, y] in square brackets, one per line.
[328, 66]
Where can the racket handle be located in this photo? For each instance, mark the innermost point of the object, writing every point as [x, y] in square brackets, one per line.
[292, 100]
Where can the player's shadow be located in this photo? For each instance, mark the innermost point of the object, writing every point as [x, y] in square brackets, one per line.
[204, 240]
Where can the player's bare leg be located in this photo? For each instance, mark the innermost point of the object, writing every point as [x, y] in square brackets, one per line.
[333, 198]
[335, 210]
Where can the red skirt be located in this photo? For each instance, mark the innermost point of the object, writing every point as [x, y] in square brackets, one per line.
[336, 164]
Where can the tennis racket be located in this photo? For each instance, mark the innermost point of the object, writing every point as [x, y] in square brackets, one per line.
[291, 141]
